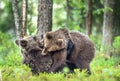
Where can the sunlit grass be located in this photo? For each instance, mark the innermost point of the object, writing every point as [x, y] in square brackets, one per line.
[102, 70]
[12, 69]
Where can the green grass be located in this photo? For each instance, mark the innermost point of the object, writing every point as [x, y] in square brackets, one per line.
[102, 70]
[12, 69]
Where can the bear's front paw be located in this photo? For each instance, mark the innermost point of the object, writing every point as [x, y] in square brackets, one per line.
[50, 70]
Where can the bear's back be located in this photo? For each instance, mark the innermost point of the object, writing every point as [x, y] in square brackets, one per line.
[83, 46]
[81, 39]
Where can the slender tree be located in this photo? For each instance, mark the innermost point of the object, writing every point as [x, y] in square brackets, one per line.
[16, 18]
[44, 16]
[89, 17]
[108, 25]
[24, 17]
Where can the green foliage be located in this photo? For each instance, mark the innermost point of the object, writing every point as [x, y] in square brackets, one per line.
[5, 46]
[102, 70]
[116, 45]
[59, 13]
[76, 17]
[97, 42]
[117, 18]
[32, 17]
[9, 53]
[6, 16]
[12, 69]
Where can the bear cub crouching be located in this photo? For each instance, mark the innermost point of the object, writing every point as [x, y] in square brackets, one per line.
[80, 54]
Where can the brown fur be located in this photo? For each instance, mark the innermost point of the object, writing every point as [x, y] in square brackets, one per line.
[59, 61]
[56, 40]
[31, 49]
[82, 54]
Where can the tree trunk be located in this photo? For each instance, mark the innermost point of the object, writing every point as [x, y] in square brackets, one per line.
[89, 17]
[24, 17]
[44, 16]
[108, 25]
[16, 18]
[68, 13]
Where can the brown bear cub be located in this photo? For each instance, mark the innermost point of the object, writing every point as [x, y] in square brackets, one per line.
[31, 49]
[68, 47]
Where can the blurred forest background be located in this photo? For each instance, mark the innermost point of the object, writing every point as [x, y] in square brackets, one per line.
[99, 19]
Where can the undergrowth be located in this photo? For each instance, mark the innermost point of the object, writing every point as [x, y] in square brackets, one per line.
[102, 70]
[12, 69]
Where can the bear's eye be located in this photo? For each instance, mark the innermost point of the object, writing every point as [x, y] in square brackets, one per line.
[48, 36]
[35, 38]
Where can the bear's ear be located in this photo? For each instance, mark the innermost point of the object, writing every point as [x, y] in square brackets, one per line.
[17, 42]
[48, 35]
[35, 38]
[60, 42]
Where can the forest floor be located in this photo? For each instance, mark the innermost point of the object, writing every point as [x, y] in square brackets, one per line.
[102, 70]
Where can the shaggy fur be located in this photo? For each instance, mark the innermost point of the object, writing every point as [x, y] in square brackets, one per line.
[31, 49]
[58, 41]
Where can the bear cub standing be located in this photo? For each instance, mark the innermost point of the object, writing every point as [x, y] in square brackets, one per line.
[57, 44]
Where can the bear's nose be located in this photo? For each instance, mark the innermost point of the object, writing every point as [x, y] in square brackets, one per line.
[23, 43]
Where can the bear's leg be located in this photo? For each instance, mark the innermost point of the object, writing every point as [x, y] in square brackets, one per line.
[59, 59]
[83, 65]
[71, 65]
[57, 66]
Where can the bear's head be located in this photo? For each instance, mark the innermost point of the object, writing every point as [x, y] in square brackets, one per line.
[31, 43]
[55, 41]
[31, 48]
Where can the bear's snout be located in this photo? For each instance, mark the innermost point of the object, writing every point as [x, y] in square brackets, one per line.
[23, 43]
